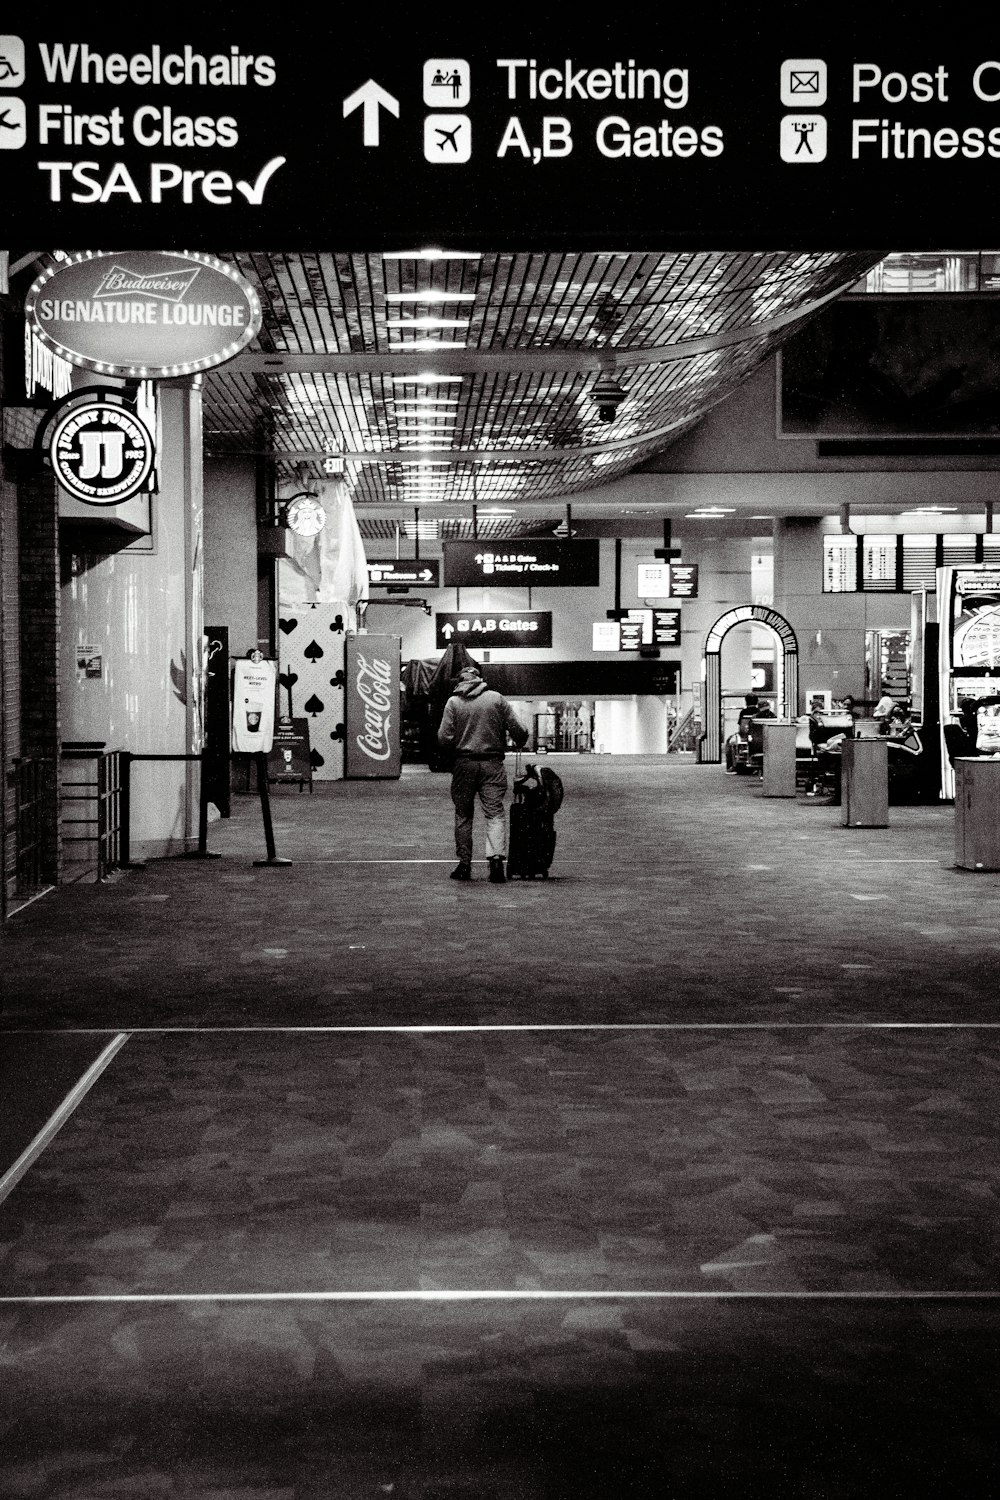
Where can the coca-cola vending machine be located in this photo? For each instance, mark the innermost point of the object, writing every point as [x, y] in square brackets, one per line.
[372, 707]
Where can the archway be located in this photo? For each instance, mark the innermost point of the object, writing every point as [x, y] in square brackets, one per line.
[786, 674]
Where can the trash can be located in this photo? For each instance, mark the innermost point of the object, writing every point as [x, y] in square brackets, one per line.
[864, 784]
[977, 813]
[778, 771]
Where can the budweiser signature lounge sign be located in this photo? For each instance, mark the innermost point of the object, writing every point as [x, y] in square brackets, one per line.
[371, 706]
[146, 313]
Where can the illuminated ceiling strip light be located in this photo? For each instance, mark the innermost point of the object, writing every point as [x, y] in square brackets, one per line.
[427, 377]
[431, 254]
[430, 296]
[427, 322]
[427, 344]
[710, 512]
[421, 403]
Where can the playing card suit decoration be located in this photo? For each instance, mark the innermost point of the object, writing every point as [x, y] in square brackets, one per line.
[313, 651]
[338, 733]
[314, 705]
[338, 680]
[287, 626]
[338, 624]
[288, 679]
[315, 759]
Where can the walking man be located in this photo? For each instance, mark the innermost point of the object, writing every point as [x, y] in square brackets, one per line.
[476, 724]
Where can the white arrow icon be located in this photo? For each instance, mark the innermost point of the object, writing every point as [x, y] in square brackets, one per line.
[370, 98]
[448, 630]
[426, 576]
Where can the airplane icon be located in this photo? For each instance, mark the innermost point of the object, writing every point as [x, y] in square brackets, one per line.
[448, 135]
[447, 138]
[13, 129]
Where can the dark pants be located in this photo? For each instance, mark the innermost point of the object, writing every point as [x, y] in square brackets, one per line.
[488, 778]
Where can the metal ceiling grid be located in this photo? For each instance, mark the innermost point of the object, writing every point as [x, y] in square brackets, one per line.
[620, 312]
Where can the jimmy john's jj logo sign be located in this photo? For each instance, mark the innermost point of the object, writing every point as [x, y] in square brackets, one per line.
[101, 454]
[372, 706]
[150, 313]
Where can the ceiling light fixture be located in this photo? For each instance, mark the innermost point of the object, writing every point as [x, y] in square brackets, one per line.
[431, 254]
[427, 344]
[427, 322]
[428, 377]
[430, 296]
[709, 512]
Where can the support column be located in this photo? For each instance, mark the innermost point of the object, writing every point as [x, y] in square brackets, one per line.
[143, 608]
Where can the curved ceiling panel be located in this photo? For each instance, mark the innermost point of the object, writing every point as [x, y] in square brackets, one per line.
[465, 377]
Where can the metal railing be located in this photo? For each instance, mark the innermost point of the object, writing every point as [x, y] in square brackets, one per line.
[684, 734]
[90, 811]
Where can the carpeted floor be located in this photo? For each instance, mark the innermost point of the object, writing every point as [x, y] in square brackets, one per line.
[720, 1222]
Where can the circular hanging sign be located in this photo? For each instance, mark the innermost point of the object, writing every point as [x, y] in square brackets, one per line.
[147, 313]
[101, 454]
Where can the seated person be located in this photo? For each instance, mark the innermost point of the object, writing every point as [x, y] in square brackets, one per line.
[752, 708]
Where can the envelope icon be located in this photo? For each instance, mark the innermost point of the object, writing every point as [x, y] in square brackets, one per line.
[803, 82]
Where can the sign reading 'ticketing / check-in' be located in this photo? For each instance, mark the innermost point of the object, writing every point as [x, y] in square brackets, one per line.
[548, 563]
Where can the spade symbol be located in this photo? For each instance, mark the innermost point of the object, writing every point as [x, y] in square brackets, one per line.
[287, 626]
[338, 624]
[314, 705]
[338, 680]
[313, 651]
[336, 734]
[315, 759]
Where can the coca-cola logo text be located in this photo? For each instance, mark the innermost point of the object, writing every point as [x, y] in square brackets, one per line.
[373, 684]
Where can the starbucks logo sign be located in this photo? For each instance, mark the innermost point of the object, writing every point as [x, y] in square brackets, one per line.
[101, 454]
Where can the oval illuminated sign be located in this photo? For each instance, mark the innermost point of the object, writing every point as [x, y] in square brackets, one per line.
[146, 313]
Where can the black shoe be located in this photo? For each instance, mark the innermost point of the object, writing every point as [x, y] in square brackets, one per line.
[461, 872]
[497, 875]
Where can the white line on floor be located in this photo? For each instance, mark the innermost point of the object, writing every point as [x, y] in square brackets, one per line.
[526, 1026]
[534, 1295]
[57, 1120]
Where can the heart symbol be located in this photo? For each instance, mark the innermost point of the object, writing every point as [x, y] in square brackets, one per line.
[315, 759]
[338, 733]
[338, 680]
[338, 624]
[288, 679]
[313, 651]
[287, 626]
[314, 705]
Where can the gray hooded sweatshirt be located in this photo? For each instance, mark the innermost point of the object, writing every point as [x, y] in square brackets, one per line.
[477, 721]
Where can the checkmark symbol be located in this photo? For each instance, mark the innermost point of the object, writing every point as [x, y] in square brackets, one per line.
[255, 193]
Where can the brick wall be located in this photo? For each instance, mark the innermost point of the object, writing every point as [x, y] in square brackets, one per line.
[38, 551]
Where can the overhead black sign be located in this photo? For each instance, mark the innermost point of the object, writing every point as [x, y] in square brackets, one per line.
[666, 627]
[522, 564]
[664, 129]
[683, 580]
[583, 679]
[416, 573]
[515, 628]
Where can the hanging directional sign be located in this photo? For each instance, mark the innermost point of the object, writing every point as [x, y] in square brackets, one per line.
[411, 571]
[728, 127]
[516, 628]
[522, 564]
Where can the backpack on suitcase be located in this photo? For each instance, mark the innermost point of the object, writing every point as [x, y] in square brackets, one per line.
[538, 795]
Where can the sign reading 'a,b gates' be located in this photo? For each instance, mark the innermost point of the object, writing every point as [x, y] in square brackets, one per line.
[145, 313]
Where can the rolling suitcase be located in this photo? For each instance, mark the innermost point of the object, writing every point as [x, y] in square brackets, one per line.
[537, 797]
